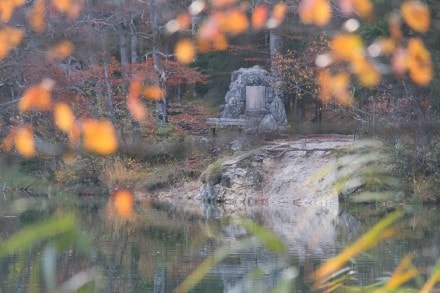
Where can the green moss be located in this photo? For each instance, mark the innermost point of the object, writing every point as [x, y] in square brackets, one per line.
[213, 174]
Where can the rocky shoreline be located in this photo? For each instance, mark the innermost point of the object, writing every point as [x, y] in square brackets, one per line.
[296, 172]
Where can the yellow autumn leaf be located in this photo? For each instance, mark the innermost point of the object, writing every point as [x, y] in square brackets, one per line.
[61, 50]
[99, 137]
[10, 38]
[365, 71]
[416, 15]
[259, 17]
[7, 8]
[36, 17]
[24, 141]
[346, 47]
[37, 97]
[404, 272]
[185, 51]
[63, 116]
[418, 62]
[316, 12]
[434, 279]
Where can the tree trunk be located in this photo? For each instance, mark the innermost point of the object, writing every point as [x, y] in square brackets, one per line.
[135, 127]
[123, 48]
[124, 63]
[161, 106]
[274, 49]
[133, 42]
[109, 100]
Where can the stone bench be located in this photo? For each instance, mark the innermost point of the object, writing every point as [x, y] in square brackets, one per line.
[223, 122]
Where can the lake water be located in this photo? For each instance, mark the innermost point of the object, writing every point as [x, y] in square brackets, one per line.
[163, 244]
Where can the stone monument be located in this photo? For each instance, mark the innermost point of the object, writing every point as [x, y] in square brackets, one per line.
[252, 97]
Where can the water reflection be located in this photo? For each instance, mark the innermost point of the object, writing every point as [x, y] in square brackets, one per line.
[164, 244]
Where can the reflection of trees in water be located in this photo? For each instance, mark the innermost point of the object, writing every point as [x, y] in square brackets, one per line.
[163, 245]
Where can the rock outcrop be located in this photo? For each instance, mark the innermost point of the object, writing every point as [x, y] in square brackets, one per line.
[300, 172]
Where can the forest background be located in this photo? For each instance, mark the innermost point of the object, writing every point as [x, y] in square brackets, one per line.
[87, 78]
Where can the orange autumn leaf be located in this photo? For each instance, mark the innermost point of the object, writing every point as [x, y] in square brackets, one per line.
[7, 8]
[364, 8]
[10, 38]
[394, 26]
[184, 20]
[63, 5]
[222, 3]
[137, 109]
[259, 17]
[339, 86]
[24, 141]
[365, 71]
[36, 17]
[315, 12]
[386, 46]
[334, 86]
[154, 93]
[9, 141]
[135, 88]
[398, 61]
[123, 203]
[185, 51]
[347, 47]
[279, 11]
[232, 22]
[60, 51]
[99, 137]
[71, 7]
[324, 81]
[38, 97]
[220, 43]
[346, 6]
[416, 15]
[418, 62]
[63, 116]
